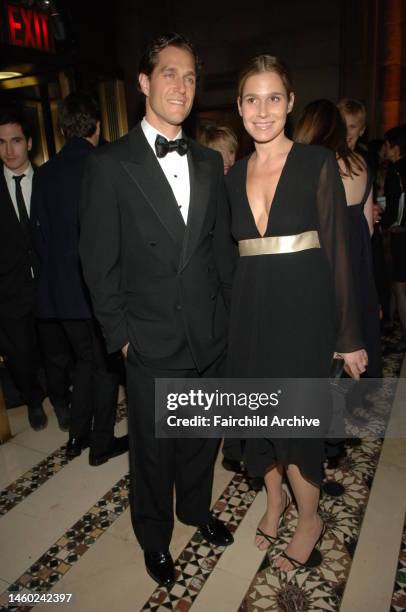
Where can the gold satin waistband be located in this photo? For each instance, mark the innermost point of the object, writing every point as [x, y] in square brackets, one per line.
[274, 245]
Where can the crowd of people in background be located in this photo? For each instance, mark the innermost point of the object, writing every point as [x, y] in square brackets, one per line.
[46, 312]
[48, 300]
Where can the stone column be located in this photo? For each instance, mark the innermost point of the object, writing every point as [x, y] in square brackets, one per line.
[392, 45]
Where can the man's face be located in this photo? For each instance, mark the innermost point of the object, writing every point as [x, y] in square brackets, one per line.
[392, 152]
[14, 147]
[355, 128]
[169, 90]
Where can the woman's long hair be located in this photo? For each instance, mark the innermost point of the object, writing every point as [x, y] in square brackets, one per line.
[322, 124]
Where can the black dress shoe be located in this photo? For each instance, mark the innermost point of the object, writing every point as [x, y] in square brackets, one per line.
[160, 567]
[118, 447]
[216, 533]
[231, 465]
[37, 417]
[75, 446]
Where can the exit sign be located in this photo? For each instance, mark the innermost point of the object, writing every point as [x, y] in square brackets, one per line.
[28, 28]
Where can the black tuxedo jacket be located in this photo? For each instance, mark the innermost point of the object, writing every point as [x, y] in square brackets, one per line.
[55, 226]
[17, 257]
[160, 284]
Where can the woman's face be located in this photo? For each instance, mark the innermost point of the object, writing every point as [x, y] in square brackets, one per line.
[264, 106]
[355, 128]
[227, 154]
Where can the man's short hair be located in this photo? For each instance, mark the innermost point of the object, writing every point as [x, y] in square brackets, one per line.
[17, 116]
[397, 137]
[351, 106]
[78, 115]
[150, 58]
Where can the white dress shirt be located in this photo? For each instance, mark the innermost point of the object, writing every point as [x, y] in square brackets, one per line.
[175, 168]
[26, 187]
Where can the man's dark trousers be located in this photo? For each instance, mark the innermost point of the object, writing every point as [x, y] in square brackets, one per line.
[18, 342]
[95, 378]
[159, 464]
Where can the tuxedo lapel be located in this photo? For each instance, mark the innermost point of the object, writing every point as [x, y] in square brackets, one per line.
[144, 169]
[199, 173]
[8, 214]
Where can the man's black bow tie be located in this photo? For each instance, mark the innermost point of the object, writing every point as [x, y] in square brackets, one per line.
[164, 146]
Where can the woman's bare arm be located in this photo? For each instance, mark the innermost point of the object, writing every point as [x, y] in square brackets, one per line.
[369, 212]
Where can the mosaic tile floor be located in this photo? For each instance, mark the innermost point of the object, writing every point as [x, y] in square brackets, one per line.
[319, 589]
[322, 588]
[193, 566]
[198, 559]
[399, 591]
[29, 482]
[67, 550]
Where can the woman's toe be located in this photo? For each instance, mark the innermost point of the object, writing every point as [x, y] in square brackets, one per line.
[260, 543]
[282, 564]
[286, 566]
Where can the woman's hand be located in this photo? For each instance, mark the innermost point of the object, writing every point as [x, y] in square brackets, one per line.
[355, 363]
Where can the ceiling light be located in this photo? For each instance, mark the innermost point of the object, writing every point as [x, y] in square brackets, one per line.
[9, 75]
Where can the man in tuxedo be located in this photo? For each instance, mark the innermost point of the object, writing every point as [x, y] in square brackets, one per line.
[158, 259]
[18, 264]
[63, 303]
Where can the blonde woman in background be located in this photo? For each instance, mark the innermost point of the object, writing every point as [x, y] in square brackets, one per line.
[221, 139]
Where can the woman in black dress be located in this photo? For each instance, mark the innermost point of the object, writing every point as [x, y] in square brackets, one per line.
[292, 301]
[321, 124]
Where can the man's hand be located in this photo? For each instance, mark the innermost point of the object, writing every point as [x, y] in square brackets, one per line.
[124, 350]
[355, 363]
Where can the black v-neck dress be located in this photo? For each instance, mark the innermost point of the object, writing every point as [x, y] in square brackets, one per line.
[291, 311]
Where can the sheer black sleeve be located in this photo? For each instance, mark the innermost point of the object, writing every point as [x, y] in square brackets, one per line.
[332, 214]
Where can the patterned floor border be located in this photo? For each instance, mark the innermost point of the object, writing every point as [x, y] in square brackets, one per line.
[41, 576]
[193, 567]
[38, 475]
[321, 589]
[198, 559]
[398, 603]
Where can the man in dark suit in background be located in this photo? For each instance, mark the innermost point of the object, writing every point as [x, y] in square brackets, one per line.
[63, 301]
[394, 220]
[158, 259]
[18, 264]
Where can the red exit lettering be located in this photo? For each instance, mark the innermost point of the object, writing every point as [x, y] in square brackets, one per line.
[28, 28]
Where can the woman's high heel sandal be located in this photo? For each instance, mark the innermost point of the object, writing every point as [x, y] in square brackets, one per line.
[314, 559]
[272, 539]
